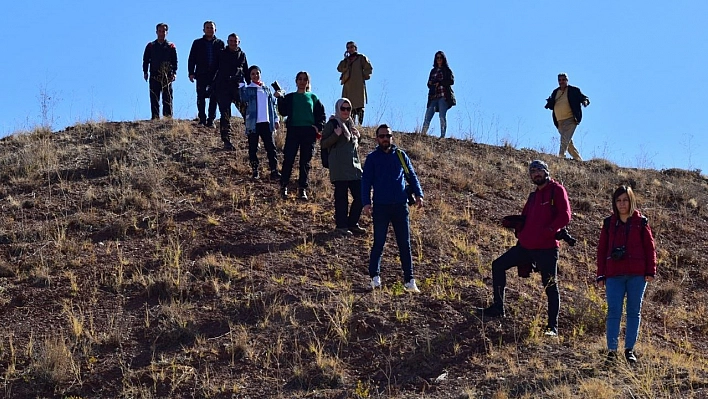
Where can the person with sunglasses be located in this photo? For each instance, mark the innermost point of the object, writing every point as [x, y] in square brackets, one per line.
[387, 171]
[440, 94]
[546, 212]
[341, 138]
[565, 102]
[355, 70]
[626, 263]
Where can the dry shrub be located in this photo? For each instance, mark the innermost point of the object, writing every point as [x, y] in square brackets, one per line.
[54, 362]
[667, 293]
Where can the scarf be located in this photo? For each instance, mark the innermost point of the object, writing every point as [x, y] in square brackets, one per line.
[347, 124]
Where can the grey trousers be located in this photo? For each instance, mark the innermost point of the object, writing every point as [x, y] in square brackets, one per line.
[566, 128]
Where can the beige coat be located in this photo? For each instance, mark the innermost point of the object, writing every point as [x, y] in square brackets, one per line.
[354, 76]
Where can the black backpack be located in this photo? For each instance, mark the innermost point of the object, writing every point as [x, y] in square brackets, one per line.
[324, 156]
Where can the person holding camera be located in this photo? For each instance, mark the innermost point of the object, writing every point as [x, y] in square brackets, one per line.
[355, 70]
[230, 74]
[341, 138]
[626, 262]
[261, 121]
[565, 102]
[202, 63]
[546, 213]
[389, 172]
[440, 94]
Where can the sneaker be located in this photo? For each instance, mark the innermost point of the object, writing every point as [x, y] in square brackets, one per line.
[274, 175]
[284, 192]
[629, 355]
[494, 310]
[302, 194]
[209, 123]
[551, 332]
[376, 282]
[255, 175]
[228, 146]
[201, 122]
[343, 231]
[358, 230]
[611, 358]
[411, 286]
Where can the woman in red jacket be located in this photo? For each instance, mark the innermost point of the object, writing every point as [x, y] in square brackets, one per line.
[626, 262]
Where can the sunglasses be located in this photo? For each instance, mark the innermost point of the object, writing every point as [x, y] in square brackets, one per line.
[345, 109]
[385, 136]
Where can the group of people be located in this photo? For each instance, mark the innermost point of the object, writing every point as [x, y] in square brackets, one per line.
[626, 256]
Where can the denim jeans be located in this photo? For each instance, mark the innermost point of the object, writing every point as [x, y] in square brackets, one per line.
[439, 105]
[397, 215]
[343, 217]
[617, 287]
[546, 261]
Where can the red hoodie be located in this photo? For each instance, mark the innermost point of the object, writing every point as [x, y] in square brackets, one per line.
[547, 211]
[640, 256]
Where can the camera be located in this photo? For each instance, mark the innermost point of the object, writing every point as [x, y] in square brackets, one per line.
[618, 252]
[276, 86]
[565, 236]
[409, 193]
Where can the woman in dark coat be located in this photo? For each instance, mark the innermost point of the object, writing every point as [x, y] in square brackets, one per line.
[440, 94]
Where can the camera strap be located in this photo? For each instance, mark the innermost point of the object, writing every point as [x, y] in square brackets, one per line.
[406, 172]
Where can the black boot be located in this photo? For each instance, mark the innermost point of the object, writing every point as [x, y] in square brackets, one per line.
[497, 308]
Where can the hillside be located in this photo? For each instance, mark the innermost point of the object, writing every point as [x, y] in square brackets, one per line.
[138, 260]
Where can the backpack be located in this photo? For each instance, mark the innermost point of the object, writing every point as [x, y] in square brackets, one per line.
[324, 156]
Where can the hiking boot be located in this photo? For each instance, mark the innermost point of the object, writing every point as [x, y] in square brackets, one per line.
[495, 310]
[228, 146]
[411, 286]
[274, 174]
[358, 230]
[631, 358]
[551, 331]
[255, 175]
[343, 231]
[209, 123]
[284, 192]
[376, 282]
[302, 194]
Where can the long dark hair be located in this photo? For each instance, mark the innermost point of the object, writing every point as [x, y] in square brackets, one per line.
[442, 54]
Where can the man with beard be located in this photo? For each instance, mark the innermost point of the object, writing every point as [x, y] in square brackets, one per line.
[546, 212]
[203, 61]
[565, 102]
[231, 73]
[387, 169]
[355, 70]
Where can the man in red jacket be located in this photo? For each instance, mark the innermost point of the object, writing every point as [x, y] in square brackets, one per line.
[546, 212]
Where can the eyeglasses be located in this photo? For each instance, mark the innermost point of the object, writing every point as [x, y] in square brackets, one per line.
[345, 109]
[385, 136]
[437, 57]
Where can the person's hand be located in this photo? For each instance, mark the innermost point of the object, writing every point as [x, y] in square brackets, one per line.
[648, 279]
[601, 284]
[278, 94]
[277, 125]
[367, 209]
[172, 78]
[318, 135]
[338, 130]
[586, 102]
[419, 201]
[191, 78]
[145, 76]
[346, 54]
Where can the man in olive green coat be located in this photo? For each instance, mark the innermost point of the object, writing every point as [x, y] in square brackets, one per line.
[356, 70]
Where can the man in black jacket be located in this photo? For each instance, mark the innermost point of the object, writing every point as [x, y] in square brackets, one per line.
[230, 74]
[160, 58]
[202, 65]
[565, 103]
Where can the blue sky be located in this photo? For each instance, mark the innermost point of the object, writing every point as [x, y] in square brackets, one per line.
[643, 64]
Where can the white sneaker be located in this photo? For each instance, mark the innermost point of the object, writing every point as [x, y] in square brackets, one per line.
[411, 286]
[376, 282]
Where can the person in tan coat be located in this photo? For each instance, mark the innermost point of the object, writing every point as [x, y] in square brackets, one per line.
[356, 70]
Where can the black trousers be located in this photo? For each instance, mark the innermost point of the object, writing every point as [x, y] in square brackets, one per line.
[204, 82]
[358, 113]
[546, 261]
[159, 87]
[227, 94]
[347, 218]
[300, 138]
[263, 132]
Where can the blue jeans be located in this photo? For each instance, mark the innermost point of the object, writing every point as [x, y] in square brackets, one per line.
[397, 215]
[439, 105]
[617, 287]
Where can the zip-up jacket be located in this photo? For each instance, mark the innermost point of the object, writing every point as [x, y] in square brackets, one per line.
[232, 67]
[198, 62]
[636, 237]
[384, 173]
[575, 99]
[547, 210]
[160, 58]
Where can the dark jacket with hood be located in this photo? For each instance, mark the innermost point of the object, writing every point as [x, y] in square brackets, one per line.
[575, 99]
[547, 210]
[198, 62]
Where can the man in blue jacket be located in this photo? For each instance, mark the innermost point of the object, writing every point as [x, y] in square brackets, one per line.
[202, 65]
[387, 169]
[565, 102]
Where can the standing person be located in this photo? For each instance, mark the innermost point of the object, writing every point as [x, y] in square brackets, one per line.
[384, 171]
[440, 94]
[261, 121]
[203, 63]
[305, 118]
[356, 70]
[626, 262]
[565, 103]
[160, 58]
[546, 212]
[231, 73]
[341, 138]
